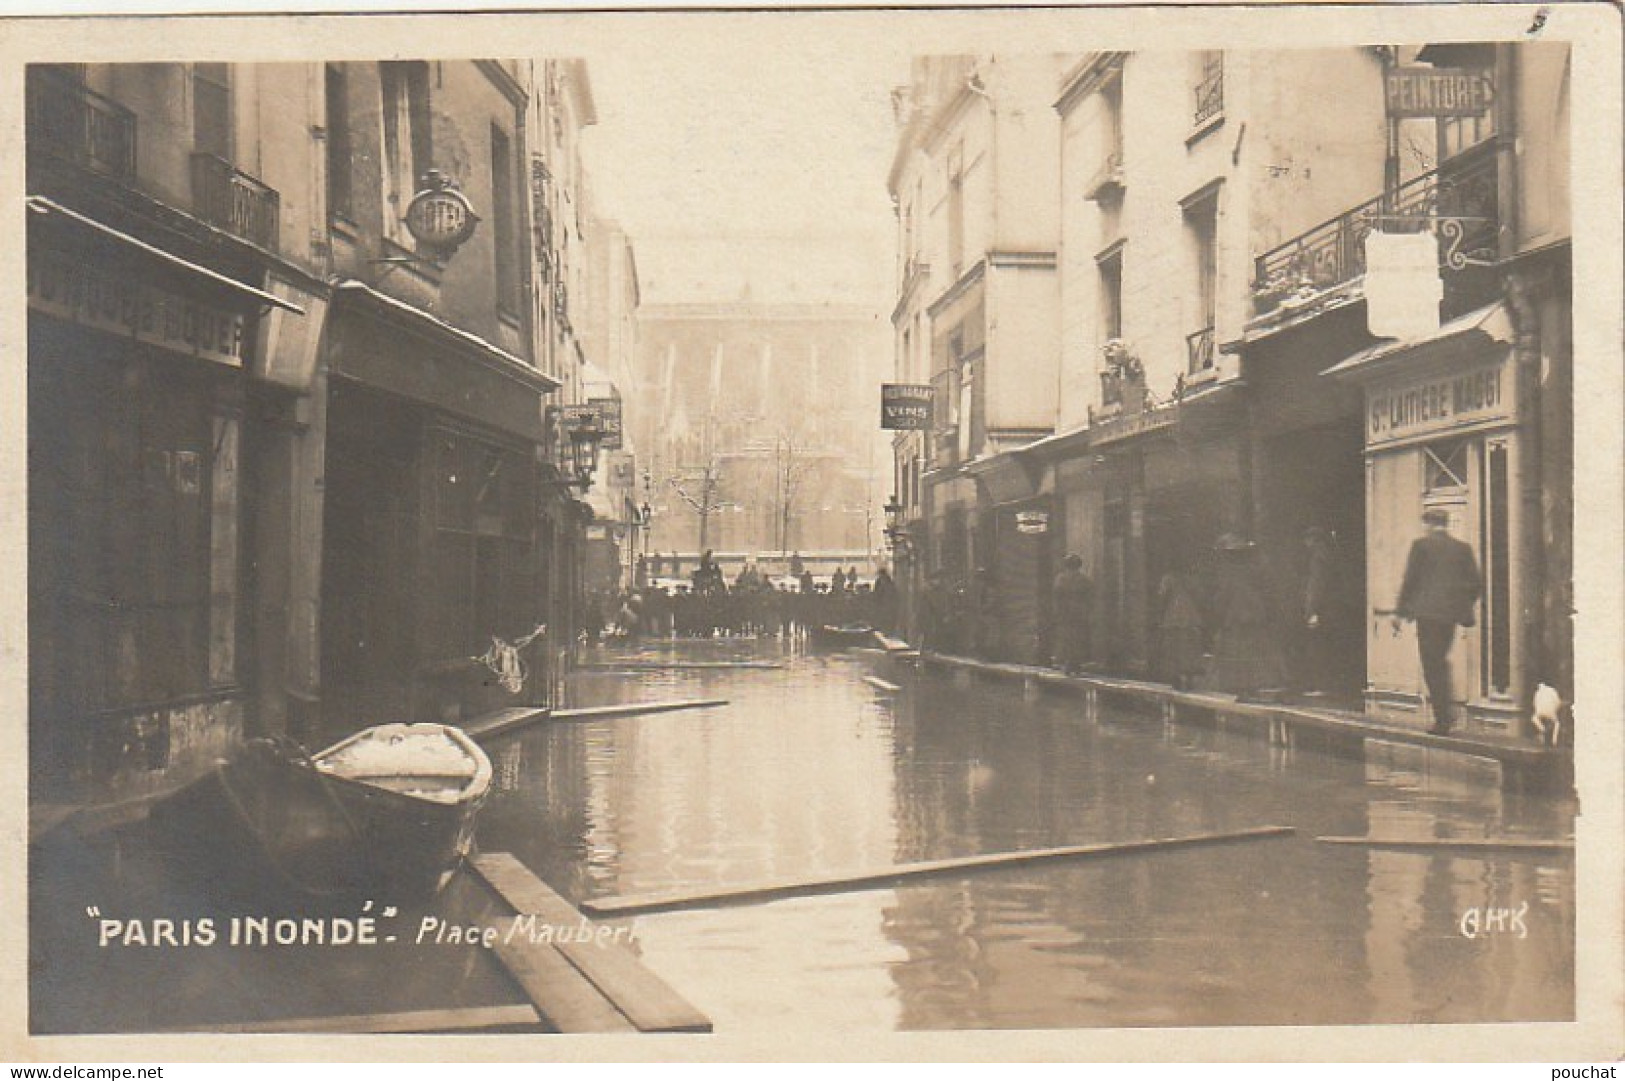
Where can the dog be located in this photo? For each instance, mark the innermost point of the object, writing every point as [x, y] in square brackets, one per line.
[1548, 714]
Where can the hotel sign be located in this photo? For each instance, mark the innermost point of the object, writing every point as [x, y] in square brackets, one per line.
[1434, 92]
[86, 294]
[1439, 404]
[905, 407]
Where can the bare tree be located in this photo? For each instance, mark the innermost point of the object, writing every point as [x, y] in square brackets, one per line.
[790, 464]
[706, 502]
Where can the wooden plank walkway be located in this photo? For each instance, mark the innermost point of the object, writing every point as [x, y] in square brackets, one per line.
[1521, 762]
[473, 1019]
[590, 983]
[754, 893]
[1488, 846]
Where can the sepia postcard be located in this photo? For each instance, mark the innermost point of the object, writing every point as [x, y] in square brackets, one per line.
[996, 533]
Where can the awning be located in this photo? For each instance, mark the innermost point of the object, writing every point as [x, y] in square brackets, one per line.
[41, 205]
[1477, 330]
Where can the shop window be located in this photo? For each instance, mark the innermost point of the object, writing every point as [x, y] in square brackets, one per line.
[485, 548]
[134, 515]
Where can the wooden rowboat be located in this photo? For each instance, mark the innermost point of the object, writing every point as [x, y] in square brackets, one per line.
[389, 811]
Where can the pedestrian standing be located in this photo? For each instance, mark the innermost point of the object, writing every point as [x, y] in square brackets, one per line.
[1179, 631]
[1245, 660]
[1439, 593]
[1314, 645]
[1072, 596]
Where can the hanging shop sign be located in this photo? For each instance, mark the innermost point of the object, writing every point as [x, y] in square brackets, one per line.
[1032, 521]
[584, 421]
[1423, 92]
[609, 421]
[86, 294]
[905, 407]
[440, 216]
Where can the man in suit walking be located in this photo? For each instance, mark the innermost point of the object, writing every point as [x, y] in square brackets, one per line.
[1441, 588]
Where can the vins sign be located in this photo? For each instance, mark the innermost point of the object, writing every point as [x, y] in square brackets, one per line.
[905, 407]
[1433, 92]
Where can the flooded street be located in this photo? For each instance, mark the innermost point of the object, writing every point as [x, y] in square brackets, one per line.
[812, 771]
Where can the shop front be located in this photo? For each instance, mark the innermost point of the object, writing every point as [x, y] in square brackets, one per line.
[138, 371]
[1019, 562]
[1442, 433]
[432, 564]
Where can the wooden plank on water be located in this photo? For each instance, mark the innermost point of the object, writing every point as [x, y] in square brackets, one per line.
[660, 666]
[1486, 845]
[501, 721]
[633, 709]
[516, 1018]
[646, 1000]
[565, 998]
[636, 904]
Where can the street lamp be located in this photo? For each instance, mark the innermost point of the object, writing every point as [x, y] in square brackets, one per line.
[897, 538]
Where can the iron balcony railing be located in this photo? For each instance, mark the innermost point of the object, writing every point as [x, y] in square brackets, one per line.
[1458, 202]
[69, 121]
[225, 196]
[1199, 351]
[1209, 94]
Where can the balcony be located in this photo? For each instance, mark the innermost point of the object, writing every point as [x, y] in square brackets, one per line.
[1199, 352]
[69, 121]
[226, 197]
[1458, 202]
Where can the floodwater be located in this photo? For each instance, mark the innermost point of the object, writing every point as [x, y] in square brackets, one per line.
[812, 771]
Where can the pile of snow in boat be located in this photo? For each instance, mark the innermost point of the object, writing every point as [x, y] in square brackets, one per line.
[391, 808]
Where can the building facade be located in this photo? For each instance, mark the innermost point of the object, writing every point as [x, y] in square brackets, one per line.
[1229, 385]
[973, 179]
[295, 466]
[759, 428]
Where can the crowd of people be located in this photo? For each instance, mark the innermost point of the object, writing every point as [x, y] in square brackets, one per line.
[707, 605]
[1223, 624]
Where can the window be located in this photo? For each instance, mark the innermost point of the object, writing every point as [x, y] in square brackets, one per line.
[211, 110]
[956, 211]
[1110, 269]
[340, 149]
[1209, 87]
[1201, 228]
[1445, 466]
[408, 146]
[504, 223]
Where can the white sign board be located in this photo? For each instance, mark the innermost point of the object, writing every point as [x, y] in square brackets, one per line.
[1402, 285]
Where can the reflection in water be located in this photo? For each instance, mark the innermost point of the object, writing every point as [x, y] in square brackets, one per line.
[810, 771]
